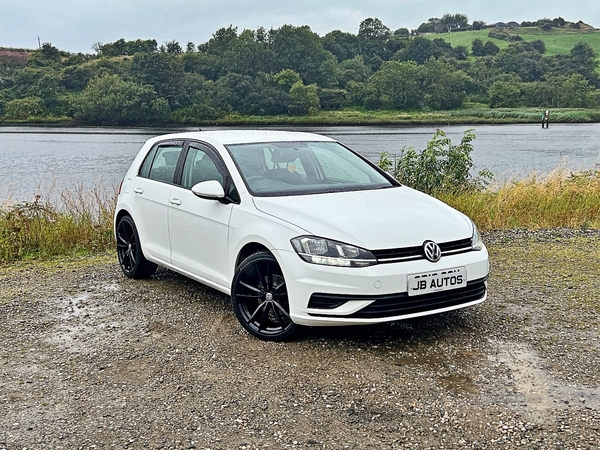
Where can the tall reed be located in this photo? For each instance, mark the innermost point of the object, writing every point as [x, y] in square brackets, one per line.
[559, 199]
[69, 223]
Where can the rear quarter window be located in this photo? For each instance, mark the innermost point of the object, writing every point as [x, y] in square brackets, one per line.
[161, 162]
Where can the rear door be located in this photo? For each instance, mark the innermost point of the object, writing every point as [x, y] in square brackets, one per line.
[152, 187]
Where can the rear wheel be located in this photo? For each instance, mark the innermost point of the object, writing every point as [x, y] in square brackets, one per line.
[129, 251]
[260, 299]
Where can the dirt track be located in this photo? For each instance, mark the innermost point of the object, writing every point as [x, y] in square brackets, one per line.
[90, 359]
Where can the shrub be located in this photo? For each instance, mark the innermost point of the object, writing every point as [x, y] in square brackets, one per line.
[441, 168]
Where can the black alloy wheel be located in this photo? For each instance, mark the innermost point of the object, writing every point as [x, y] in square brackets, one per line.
[260, 299]
[129, 251]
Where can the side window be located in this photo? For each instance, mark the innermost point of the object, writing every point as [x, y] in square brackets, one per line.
[164, 163]
[145, 169]
[199, 167]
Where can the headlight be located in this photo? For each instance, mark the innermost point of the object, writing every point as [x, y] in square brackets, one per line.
[331, 253]
[476, 242]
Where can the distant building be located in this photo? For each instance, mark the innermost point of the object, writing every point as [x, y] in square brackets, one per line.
[503, 25]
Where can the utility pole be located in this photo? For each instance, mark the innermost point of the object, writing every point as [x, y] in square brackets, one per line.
[39, 43]
[450, 31]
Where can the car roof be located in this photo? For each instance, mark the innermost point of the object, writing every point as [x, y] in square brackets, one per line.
[227, 137]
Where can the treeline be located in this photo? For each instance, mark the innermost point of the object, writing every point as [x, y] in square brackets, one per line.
[287, 71]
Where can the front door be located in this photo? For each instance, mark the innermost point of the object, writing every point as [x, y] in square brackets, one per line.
[199, 227]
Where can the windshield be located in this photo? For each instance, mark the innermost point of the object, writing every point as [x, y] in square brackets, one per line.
[293, 168]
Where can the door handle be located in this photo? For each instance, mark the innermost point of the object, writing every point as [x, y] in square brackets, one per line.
[175, 201]
[138, 190]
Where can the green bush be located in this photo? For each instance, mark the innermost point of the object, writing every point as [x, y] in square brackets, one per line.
[441, 168]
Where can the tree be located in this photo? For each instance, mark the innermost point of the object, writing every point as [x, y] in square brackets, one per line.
[172, 47]
[24, 108]
[441, 85]
[332, 99]
[528, 65]
[122, 47]
[478, 24]
[477, 47]
[373, 29]
[49, 52]
[208, 65]
[584, 57]
[419, 49]
[231, 90]
[190, 47]
[267, 98]
[287, 78]
[249, 54]
[537, 45]
[110, 100]
[433, 25]
[354, 69]
[220, 41]
[164, 71]
[198, 102]
[402, 32]
[301, 50]
[576, 91]
[303, 99]
[451, 21]
[504, 94]
[396, 86]
[377, 44]
[490, 48]
[341, 44]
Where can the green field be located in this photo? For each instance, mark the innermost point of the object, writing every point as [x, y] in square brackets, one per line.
[558, 41]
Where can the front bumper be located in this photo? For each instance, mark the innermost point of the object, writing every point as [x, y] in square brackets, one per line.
[329, 296]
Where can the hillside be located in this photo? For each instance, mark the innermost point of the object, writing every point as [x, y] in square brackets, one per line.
[558, 41]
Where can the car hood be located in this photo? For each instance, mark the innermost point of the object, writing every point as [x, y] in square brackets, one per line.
[373, 219]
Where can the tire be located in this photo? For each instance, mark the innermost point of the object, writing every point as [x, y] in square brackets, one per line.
[129, 251]
[260, 299]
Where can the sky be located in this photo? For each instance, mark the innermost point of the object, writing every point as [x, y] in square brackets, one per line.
[76, 25]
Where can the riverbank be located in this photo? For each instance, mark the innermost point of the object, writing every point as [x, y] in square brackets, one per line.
[92, 359]
[81, 222]
[471, 114]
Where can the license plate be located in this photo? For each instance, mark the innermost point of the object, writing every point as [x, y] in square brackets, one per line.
[442, 280]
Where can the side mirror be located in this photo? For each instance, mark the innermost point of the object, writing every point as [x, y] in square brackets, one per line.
[211, 189]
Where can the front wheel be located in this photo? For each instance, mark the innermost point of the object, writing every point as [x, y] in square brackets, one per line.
[260, 298]
[129, 251]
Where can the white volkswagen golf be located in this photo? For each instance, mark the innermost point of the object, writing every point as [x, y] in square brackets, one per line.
[297, 228]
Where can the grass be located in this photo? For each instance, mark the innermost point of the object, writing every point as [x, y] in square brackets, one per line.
[560, 199]
[558, 41]
[73, 223]
[472, 113]
[80, 223]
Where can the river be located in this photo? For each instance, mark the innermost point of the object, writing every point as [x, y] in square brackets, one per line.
[38, 159]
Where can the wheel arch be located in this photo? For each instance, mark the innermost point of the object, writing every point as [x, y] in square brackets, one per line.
[249, 249]
[121, 214]
[118, 216]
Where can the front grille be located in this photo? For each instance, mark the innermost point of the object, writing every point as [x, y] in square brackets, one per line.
[414, 253]
[400, 304]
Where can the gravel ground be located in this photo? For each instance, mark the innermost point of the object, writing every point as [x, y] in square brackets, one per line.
[91, 359]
